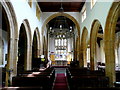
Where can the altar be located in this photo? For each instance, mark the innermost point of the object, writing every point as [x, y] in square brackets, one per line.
[59, 62]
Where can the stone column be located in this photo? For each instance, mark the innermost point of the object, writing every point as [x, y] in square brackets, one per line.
[92, 61]
[81, 56]
[110, 61]
[15, 60]
[9, 67]
[118, 56]
[28, 61]
[85, 57]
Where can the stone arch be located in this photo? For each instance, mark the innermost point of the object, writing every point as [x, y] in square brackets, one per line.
[63, 14]
[109, 38]
[13, 40]
[45, 47]
[22, 50]
[36, 49]
[84, 47]
[71, 18]
[93, 37]
[29, 44]
[38, 39]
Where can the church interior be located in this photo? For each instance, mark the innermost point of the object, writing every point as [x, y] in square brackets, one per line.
[59, 44]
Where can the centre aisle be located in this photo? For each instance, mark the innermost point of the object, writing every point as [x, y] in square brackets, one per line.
[60, 82]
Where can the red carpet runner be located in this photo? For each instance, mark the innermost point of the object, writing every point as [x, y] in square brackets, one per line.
[60, 82]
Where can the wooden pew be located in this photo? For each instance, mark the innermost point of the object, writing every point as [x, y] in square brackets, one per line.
[42, 79]
[22, 88]
[98, 88]
[86, 78]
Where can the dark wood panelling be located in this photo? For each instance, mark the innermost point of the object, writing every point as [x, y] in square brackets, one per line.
[55, 6]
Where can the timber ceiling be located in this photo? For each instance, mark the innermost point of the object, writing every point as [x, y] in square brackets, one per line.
[55, 6]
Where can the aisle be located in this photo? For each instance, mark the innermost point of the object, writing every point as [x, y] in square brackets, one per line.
[60, 82]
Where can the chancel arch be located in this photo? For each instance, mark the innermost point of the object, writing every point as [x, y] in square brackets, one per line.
[65, 15]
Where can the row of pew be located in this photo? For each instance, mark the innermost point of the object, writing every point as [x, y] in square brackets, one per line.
[41, 79]
[84, 79]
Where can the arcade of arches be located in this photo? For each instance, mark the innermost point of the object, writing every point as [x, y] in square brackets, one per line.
[59, 40]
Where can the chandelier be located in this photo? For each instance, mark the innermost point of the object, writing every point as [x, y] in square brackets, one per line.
[61, 28]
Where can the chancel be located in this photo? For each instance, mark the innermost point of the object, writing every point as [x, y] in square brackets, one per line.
[61, 33]
[59, 45]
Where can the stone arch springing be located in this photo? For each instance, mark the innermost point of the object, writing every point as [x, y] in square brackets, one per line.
[13, 40]
[84, 47]
[109, 38]
[93, 37]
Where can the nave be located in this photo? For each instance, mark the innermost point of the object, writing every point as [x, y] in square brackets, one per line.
[61, 78]
[85, 42]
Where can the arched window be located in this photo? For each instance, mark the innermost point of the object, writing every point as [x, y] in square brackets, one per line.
[93, 3]
[60, 48]
[83, 12]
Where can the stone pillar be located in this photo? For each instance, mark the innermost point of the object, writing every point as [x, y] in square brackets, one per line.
[15, 60]
[28, 61]
[39, 52]
[81, 57]
[118, 55]
[78, 49]
[110, 61]
[92, 61]
[9, 67]
[85, 57]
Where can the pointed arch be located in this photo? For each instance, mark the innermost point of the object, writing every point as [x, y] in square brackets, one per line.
[35, 49]
[13, 39]
[84, 47]
[63, 14]
[68, 16]
[109, 38]
[38, 41]
[93, 37]
[29, 44]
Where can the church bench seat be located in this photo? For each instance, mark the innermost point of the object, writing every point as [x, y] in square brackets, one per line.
[117, 76]
[86, 78]
[41, 81]
[22, 88]
[88, 81]
[97, 88]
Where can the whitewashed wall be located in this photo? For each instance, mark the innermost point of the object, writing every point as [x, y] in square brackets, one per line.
[23, 11]
[99, 12]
